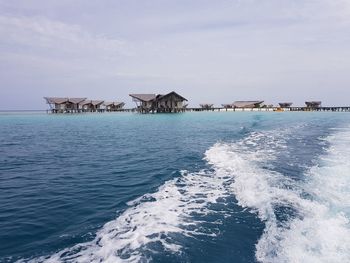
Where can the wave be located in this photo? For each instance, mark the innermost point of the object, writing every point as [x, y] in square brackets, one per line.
[317, 225]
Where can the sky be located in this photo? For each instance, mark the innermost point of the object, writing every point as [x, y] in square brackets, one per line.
[208, 51]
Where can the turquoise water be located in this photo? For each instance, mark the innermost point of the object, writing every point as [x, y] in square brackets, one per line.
[190, 187]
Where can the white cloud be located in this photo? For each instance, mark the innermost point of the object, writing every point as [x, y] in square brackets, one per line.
[39, 32]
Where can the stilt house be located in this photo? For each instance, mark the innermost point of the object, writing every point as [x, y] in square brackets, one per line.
[63, 105]
[114, 106]
[206, 106]
[248, 104]
[285, 104]
[92, 106]
[151, 103]
[313, 104]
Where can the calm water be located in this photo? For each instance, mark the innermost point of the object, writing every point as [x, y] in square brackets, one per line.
[192, 187]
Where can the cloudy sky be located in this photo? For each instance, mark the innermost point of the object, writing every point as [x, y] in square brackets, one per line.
[208, 51]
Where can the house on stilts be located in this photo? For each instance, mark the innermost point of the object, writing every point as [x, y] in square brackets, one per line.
[313, 104]
[78, 105]
[250, 104]
[64, 105]
[114, 106]
[92, 106]
[153, 103]
[206, 106]
[285, 104]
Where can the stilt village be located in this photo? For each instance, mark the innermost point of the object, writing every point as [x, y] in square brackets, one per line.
[173, 103]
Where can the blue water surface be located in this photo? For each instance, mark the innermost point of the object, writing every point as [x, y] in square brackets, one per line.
[62, 177]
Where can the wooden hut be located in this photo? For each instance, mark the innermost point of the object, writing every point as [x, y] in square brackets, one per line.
[285, 104]
[313, 104]
[92, 106]
[64, 105]
[247, 104]
[114, 106]
[171, 102]
[144, 102]
[206, 106]
[227, 106]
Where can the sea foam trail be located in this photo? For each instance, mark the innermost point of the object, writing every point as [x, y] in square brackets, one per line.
[318, 229]
[152, 222]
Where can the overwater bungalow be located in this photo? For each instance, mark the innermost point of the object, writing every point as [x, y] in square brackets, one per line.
[206, 106]
[313, 104]
[64, 105]
[151, 103]
[285, 104]
[227, 106]
[92, 106]
[248, 104]
[114, 106]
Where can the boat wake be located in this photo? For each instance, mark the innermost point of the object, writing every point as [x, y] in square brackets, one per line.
[305, 220]
[155, 222]
[316, 210]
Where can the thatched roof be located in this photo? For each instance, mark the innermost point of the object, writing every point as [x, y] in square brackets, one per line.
[313, 103]
[247, 104]
[92, 102]
[76, 100]
[206, 105]
[226, 105]
[56, 100]
[285, 104]
[143, 97]
[151, 97]
[114, 103]
[173, 93]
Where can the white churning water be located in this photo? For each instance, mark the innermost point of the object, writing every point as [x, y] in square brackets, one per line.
[320, 230]
[317, 232]
[178, 207]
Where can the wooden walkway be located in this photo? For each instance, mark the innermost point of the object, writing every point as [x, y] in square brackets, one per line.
[276, 109]
[339, 109]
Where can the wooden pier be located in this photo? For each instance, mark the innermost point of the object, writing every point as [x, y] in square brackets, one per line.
[274, 109]
[336, 109]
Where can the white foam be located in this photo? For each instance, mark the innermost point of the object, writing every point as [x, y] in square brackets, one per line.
[319, 232]
[150, 219]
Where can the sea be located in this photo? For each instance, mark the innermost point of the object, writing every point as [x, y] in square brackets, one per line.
[188, 187]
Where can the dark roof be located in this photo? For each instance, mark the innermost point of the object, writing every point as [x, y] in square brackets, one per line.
[143, 97]
[313, 103]
[114, 103]
[56, 100]
[150, 97]
[92, 102]
[170, 94]
[206, 105]
[247, 104]
[76, 100]
[285, 104]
